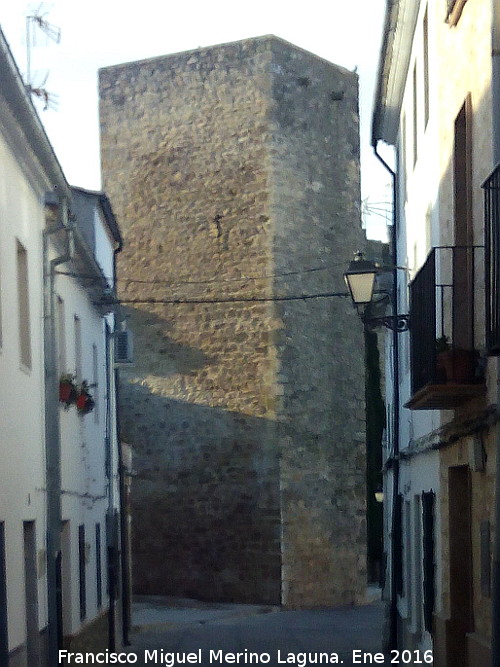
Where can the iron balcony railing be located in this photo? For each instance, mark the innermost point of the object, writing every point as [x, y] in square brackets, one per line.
[445, 297]
[492, 260]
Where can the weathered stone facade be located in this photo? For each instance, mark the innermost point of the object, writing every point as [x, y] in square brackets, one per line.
[234, 172]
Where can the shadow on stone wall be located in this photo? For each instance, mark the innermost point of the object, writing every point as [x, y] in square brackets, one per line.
[157, 353]
[205, 491]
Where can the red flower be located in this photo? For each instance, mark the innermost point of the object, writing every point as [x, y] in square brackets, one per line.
[81, 401]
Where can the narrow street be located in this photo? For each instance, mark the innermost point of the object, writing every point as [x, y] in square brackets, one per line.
[204, 633]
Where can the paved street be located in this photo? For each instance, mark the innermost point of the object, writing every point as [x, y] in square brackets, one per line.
[212, 633]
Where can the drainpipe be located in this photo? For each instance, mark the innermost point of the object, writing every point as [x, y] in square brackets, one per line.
[396, 515]
[53, 437]
[124, 530]
[124, 518]
[495, 93]
[111, 516]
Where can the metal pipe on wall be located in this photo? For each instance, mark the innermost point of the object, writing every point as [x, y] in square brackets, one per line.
[53, 438]
[495, 94]
[395, 515]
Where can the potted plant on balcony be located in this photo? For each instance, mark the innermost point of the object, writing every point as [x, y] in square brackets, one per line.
[84, 401]
[454, 364]
[67, 390]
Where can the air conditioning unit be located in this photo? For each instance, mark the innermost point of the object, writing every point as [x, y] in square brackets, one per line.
[124, 347]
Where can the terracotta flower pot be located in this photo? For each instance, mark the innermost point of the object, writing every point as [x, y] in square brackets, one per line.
[457, 365]
[85, 403]
[81, 401]
[66, 392]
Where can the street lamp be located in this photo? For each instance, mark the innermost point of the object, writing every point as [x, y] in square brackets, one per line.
[379, 494]
[360, 279]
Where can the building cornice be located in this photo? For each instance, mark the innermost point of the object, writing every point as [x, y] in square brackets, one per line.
[399, 29]
[109, 216]
[15, 96]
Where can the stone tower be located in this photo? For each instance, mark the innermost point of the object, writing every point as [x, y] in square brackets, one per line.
[234, 173]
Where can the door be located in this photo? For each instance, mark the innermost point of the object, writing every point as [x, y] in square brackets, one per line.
[67, 624]
[4, 638]
[461, 617]
[31, 594]
[463, 257]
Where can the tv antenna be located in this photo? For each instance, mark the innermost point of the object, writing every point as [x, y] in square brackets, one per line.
[36, 23]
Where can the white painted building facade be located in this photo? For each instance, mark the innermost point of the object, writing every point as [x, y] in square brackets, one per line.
[434, 106]
[58, 465]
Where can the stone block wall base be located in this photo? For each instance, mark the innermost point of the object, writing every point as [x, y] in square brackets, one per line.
[439, 641]
[408, 639]
[478, 650]
[93, 636]
[454, 649]
[18, 657]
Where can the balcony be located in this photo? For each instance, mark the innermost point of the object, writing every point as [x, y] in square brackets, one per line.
[492, 256]
[444, 298]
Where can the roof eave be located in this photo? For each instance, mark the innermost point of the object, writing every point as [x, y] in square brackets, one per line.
[14, 91]
[108, 212]
[399, 29]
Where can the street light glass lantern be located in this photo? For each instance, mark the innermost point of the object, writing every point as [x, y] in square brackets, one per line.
[379, 494]
[360, 279]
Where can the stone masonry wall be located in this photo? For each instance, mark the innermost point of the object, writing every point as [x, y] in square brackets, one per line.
[244, 484]
[315, 209]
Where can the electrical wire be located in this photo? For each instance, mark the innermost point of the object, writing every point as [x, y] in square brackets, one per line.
[208, 281]
[254, 299]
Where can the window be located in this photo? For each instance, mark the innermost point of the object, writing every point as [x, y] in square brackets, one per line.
[415, 116]
[426, 65]
[407, 579]
[428, 230]
[417, 564]
[455, 8]
[0, 310]
[78, 348]
[402, 159]
[398, 547]
[23, 306]
[81, 568]
[61, 336]
[95, 382]
[4, 640]
[463, 294]
[428, 501]
[98, 563]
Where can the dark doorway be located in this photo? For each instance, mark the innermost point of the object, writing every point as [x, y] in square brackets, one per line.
[4, 637]
[461, 612]
[31, 594]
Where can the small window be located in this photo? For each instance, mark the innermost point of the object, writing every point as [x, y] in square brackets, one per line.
[98, 563]
[78, 348]
[402, 159]
[4, 639]
[82, 573]
[426, 65]
[23, 306]
[455, 8]
[0, 308]
[61, 336]
[415, 115]
[428, 230]
[95, 381]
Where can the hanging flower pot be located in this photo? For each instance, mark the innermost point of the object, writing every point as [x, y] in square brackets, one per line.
[84, 401]
[67, 390]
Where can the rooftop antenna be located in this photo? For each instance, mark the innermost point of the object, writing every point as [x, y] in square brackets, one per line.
[37, 22]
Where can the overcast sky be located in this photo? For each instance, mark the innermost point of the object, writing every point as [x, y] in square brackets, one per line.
[98, 33]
